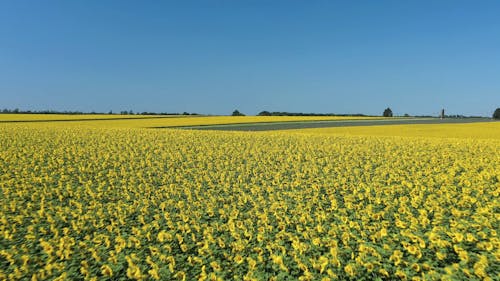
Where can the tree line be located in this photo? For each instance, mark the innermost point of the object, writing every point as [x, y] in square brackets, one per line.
[123, 112]
[386, 113]
[284, 113]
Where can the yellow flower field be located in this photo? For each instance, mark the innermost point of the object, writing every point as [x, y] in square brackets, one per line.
[105, 203]
[150, 121]
[480, 130]
[52, 117]
[215, 120]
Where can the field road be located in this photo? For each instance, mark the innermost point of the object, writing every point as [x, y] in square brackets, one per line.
[291, 125]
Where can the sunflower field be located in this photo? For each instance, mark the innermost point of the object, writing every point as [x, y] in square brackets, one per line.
[83, 203]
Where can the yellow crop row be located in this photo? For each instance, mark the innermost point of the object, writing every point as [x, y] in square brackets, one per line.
[52, 117]
[122, 203]
[481, 130]
[178, 121]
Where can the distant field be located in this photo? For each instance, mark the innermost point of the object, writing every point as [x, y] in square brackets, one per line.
[294, 125]
[72, 117]
[473, 130]
[139, 121]
[221, 123]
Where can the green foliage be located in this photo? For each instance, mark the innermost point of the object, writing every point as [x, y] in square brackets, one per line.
[237, 113]
[387, 112]
[496, 114]
[285, 113]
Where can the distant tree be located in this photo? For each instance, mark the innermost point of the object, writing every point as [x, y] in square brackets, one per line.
[407, 115]
[265, 113]
[387, 112]
[110, 112]
[16, 110]
[237, 113]
[496, 114]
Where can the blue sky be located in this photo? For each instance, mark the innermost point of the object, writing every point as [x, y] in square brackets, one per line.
[215, 56]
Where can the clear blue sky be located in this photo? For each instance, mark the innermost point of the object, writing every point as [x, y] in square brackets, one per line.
[215, 56]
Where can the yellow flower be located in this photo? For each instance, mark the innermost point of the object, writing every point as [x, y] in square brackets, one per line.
[415, 267]
[84, 268]
[238, 259]
[278, 260]
[203, 274]
[106, 271]
[396, 257]
[383, 272]
[383, 232]
[251, 263]
[480, 267]
[470, 237]
[400, 224]
[488, 246]
[48, 249]
[400, 274]
[463, 256]
[62, 277]
[323, 262]
[369, 266]
[412, 249]
[457, 237]
[215, 266]
[350, 270]
[184, 248]
[181, 275]
[164, 236]
[154, 274]
[134, 272]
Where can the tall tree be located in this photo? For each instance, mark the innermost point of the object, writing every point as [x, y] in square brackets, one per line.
[387, 112]
[237, 113]
[496, 114]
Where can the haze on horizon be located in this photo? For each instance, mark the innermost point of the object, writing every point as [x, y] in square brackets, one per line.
[212, 57]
